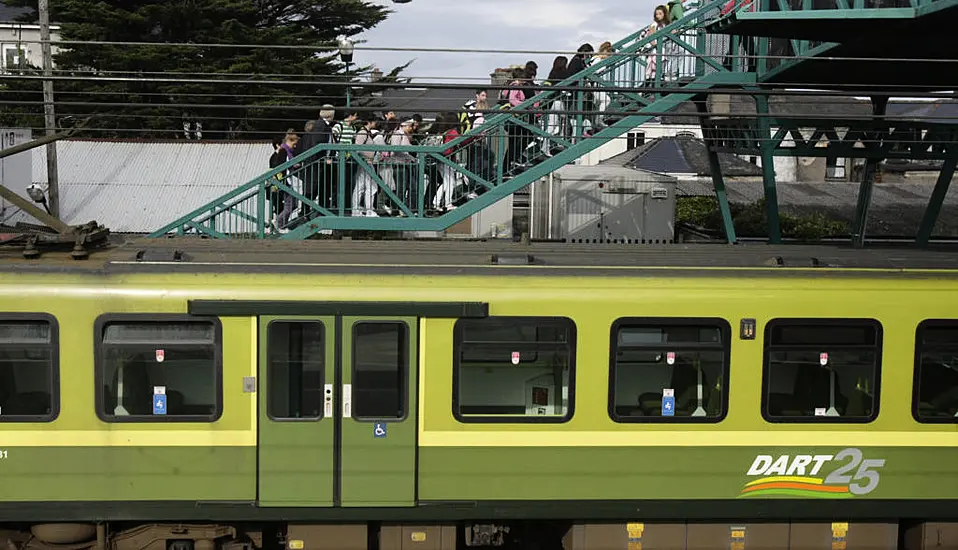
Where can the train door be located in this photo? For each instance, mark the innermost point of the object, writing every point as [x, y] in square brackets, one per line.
[297, 371]
[378, 442]
[337, 419]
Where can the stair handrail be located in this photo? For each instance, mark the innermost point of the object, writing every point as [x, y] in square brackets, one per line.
[691, 19]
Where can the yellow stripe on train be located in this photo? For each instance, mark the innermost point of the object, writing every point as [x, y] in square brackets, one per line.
[687, 438]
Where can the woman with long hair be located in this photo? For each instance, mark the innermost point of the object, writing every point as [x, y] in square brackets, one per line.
[556, 121]
[660, 20]
[579, 62]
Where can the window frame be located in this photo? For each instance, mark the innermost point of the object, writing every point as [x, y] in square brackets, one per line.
[916, 378]
[405, 369]
[100, 324]
[725, 329]
[54, 368]
[457, 342]
[767, 348]
[322, 412]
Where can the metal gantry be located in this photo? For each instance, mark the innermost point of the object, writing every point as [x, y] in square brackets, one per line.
[713, 48]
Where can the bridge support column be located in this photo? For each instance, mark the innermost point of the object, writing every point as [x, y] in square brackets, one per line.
[767, 149]
[715, 167]
[879, 105]
[938, 197]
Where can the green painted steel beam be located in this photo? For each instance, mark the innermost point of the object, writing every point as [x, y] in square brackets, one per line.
[938, 195]
[879, 107]
[850, 138]
[715, 167]
[767, 149]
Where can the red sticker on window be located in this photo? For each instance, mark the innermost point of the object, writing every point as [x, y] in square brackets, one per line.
[160, 355]
[515, 358]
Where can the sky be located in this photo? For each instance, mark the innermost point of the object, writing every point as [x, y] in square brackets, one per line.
[540, 25]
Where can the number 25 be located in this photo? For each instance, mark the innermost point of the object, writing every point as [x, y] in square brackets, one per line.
[866, 471]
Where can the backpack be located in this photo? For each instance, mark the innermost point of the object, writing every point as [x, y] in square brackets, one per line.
[465, 124]
[433, 140]
[503, 101]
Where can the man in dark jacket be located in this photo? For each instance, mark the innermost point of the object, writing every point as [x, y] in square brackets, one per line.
[317, 169]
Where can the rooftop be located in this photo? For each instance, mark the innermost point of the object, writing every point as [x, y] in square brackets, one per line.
[824, 106]
[196, 255]
[681, 155]
[138, 186]
[10, 14]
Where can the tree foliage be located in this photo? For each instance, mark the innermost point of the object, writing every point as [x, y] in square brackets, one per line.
[140, 91]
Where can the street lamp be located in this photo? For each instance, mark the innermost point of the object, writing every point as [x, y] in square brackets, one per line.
[346, 54]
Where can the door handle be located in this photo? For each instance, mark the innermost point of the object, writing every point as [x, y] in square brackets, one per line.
[347, 400]
[328, 401]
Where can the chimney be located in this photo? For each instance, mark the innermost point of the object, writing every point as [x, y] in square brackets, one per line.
[501, 77]
[376, 75]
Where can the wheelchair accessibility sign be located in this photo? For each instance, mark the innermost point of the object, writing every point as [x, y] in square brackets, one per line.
[379, 430]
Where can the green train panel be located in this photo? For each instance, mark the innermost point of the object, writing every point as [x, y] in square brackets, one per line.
[338, 411]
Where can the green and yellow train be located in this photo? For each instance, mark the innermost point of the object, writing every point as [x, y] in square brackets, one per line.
[177, 394]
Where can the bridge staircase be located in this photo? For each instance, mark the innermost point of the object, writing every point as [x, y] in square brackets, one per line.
[720, 49]
[603, 102]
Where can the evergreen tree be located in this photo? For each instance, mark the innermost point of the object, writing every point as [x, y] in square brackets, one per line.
[140, 90]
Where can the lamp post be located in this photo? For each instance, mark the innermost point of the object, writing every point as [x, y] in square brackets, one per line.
[346, 54]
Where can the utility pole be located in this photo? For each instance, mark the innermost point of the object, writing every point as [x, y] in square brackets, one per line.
[49, 114]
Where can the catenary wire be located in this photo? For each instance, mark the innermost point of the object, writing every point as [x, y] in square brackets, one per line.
[776, 88]
[332, 48]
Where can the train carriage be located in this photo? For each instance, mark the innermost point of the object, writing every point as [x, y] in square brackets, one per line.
[181, 393]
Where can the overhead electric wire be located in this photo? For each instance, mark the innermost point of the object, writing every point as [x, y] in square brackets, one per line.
[332, 49]
[766, 88]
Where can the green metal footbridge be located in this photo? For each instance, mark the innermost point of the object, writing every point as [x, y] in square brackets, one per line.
[718, 49]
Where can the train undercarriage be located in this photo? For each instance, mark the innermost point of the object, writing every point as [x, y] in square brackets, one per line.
[528, 535]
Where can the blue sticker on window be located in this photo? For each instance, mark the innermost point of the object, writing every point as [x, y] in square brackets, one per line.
[159, 404]
[668, 402]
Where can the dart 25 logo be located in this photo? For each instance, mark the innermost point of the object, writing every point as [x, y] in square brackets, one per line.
[846, 474]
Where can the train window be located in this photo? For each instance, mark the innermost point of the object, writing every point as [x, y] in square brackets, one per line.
[380, 362]
[819, 370]
[296, 361]
[936, 372]
[514, 369]
[28, 369]
[669, 370]
[152, 370]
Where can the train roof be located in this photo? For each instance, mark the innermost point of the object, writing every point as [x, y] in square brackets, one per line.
[192, 254]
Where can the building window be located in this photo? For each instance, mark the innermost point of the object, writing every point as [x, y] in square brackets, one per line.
[514, 369]
[634, 139]
[936, 372]
[822, 370]
[835, 168]
[152, 370]
[14, 58]
[671, 370]
[380, 364]
[28, 369]
[296, 364]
